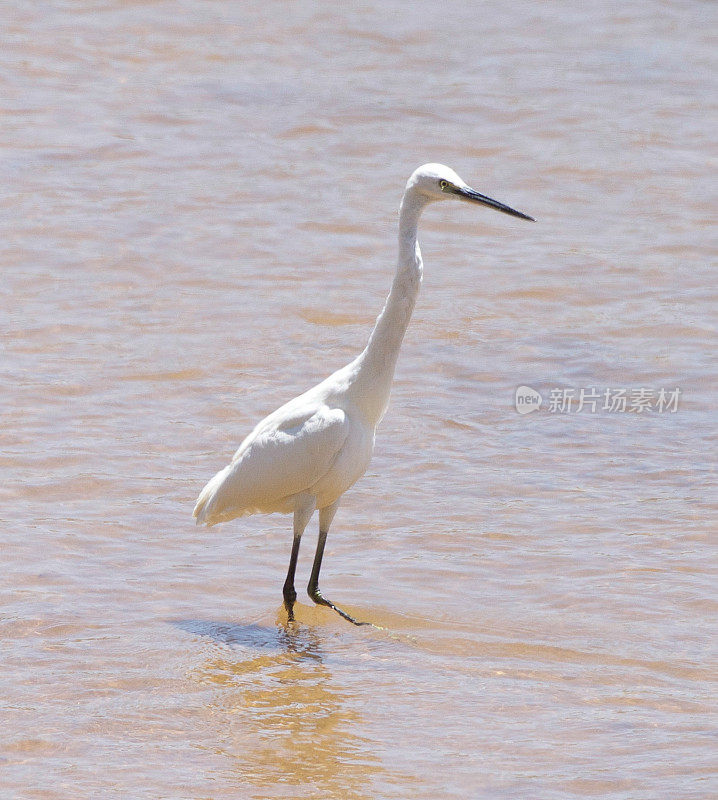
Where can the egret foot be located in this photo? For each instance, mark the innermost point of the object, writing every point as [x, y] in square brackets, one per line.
[290, 596]
[325, 517]
[316, 595]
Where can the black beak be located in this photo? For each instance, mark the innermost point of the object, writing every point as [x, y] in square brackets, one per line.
[465, 193]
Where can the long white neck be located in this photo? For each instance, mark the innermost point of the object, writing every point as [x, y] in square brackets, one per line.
[374, 368]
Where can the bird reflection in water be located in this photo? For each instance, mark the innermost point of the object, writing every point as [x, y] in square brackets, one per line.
[282, 717]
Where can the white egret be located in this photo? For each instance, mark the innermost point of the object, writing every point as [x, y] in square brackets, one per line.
[306, 454]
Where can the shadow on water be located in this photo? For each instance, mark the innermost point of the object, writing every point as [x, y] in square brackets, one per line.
[248, 635]
[281, 714]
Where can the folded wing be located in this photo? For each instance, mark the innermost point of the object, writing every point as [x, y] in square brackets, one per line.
[285, 455]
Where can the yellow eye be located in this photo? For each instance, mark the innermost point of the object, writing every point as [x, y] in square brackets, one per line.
[443, 185]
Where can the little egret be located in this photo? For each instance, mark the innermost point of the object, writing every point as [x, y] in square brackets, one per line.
[306, 454]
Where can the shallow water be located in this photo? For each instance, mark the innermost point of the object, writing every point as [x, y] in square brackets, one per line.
[198, 219]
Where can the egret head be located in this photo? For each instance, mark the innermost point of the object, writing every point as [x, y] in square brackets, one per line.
[435, 182]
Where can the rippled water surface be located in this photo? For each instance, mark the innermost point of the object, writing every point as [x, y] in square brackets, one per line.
[198, 222]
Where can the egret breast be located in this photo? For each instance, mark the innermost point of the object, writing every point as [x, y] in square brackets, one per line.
[349, 465]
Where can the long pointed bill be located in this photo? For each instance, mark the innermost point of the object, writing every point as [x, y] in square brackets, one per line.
[465, 193]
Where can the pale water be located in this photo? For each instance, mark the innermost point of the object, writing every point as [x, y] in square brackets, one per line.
[198, 222]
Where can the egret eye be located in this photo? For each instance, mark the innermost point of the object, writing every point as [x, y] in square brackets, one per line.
[443, 185]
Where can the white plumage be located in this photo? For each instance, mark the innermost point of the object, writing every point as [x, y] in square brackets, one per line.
[308, 452]
[299, 449]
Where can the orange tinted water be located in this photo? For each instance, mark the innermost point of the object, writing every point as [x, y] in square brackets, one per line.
[198, 216]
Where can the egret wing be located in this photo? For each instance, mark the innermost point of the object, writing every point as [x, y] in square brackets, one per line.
[285, 455]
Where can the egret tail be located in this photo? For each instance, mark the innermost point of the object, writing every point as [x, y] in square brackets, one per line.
[204, 507]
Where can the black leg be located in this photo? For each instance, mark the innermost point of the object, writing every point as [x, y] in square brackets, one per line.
[301, 519]
[313, 588]
[290, 594]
